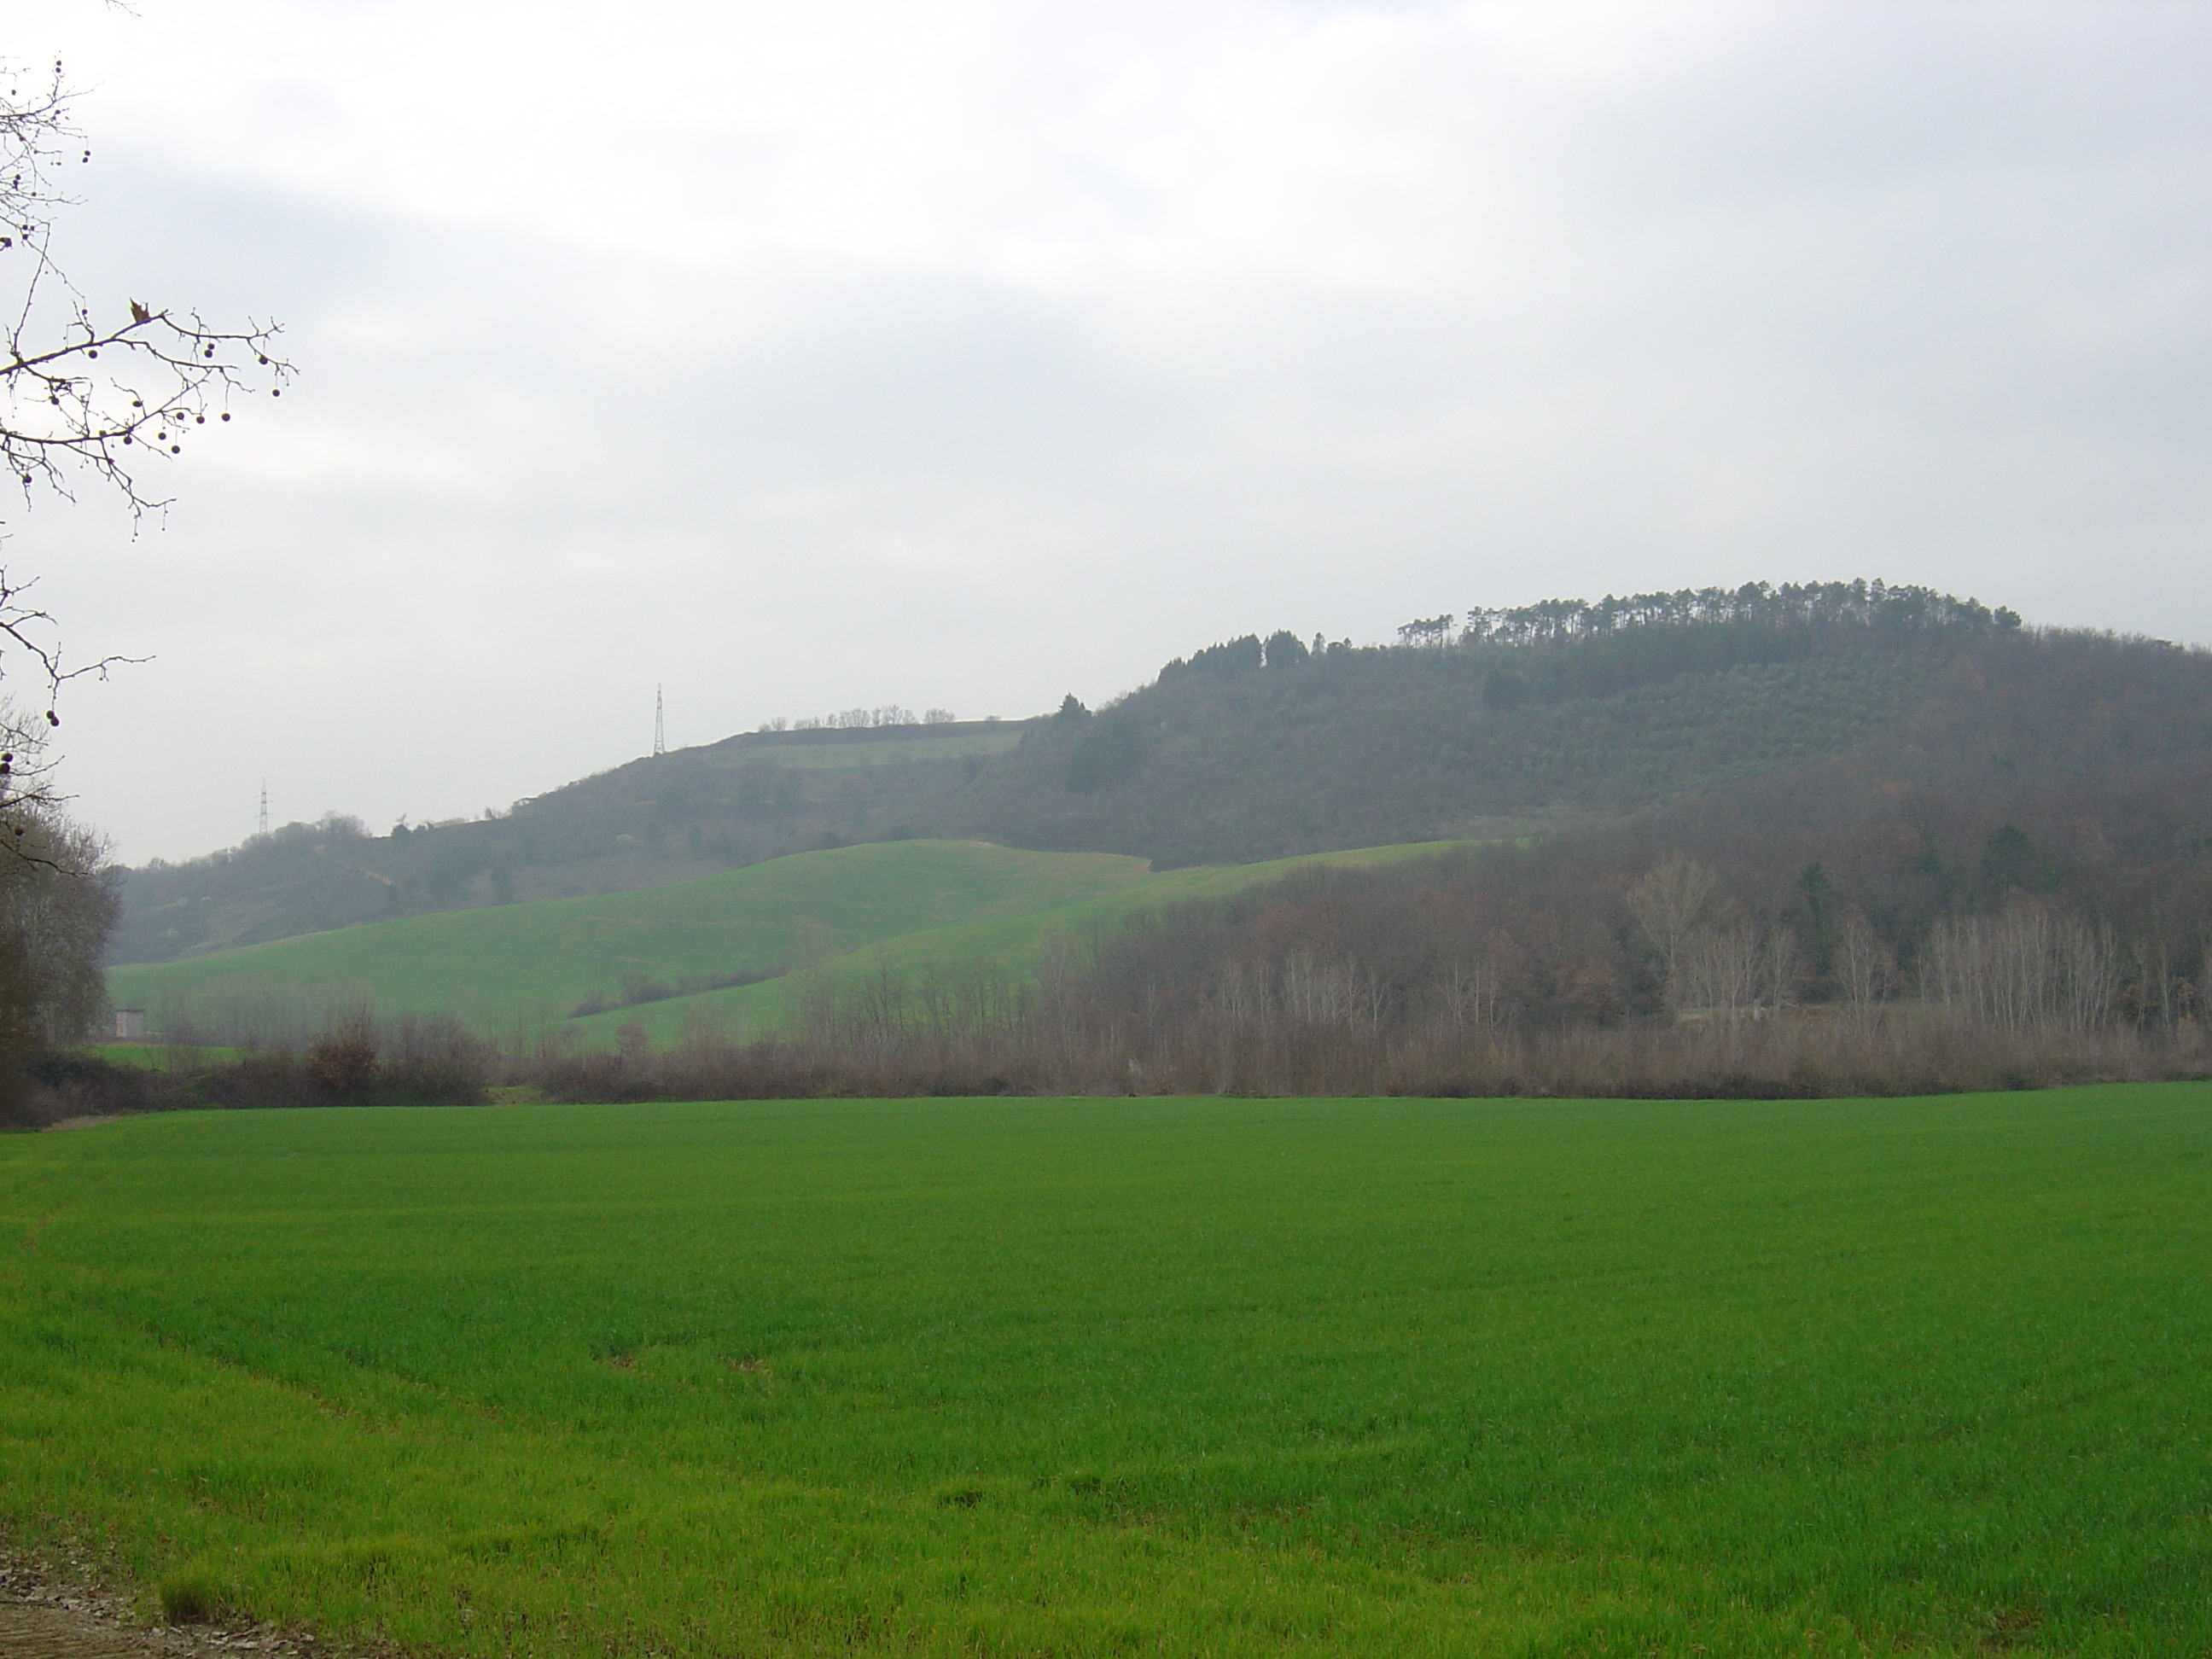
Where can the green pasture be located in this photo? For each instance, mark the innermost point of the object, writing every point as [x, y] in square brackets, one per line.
[517, 962]
[150, 1054]
[159, 1056]
[1010, 943]
[851, 912]
[1134, 1376]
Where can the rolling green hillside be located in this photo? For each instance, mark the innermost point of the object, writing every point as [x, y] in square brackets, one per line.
[539, 961]
[1010, 943]
[1556, 717]
[651, 823]
[781, 926]
[1540, 719]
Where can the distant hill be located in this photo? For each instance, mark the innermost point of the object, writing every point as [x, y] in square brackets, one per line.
[1552, 717]
[1392, 745]
[668, 818]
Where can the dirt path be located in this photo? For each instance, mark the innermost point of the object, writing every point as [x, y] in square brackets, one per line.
[28, 1631]
[41, 1619]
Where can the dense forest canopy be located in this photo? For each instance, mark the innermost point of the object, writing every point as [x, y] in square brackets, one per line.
[1511, 721]
[1874, 606]
[1804, 608]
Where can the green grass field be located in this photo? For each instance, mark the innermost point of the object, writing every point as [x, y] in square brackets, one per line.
[1009, 942]
[1158, 1376]
[538, 961]
[848, 912]
[158, 1056]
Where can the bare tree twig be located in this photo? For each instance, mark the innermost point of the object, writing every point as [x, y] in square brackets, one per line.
[84, 391]
[167, 372]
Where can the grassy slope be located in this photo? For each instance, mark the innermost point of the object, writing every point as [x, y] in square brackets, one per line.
[1008, 943]
[1100, 1378]
[900, 904]
[858, 756]
[154, 1056]
[538, 960]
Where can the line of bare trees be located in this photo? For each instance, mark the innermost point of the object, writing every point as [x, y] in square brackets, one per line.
[859, 719]
[2023, 997]
[1815, 931]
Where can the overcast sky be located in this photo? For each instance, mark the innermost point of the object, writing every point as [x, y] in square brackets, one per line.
[797, 357]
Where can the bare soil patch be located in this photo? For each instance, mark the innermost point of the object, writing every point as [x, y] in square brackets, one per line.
[42, 1617]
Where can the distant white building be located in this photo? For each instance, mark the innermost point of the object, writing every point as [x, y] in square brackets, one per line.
[130, 1023]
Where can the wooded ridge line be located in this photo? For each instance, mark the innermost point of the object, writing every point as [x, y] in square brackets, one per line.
[1525, 718]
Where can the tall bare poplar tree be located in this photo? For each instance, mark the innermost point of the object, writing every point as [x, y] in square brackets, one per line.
[1668, 901]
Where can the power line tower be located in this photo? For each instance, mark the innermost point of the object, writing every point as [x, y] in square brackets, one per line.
[264, 806]
[660, 725]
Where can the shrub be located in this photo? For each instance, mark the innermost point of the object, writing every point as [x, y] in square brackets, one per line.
[344, 1062]
[191, 1597]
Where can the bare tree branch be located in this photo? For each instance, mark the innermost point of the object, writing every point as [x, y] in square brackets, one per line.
[111, 392]
[63, 410]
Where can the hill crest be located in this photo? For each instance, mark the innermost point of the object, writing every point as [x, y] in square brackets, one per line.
[1517, 721]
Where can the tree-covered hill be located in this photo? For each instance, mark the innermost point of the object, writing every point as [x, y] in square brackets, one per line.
[1506, 723]
[1393, 746]
[1554, 714]
[2012, 884]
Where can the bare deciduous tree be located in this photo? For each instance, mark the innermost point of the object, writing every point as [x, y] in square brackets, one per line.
[1779, 969]
[1717, 972]
[2023, 970]
[110, 390]
[1668, 901]
[1865, 968]
[55, 911]
[166, 372]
